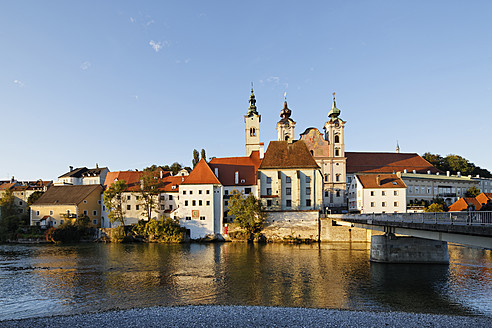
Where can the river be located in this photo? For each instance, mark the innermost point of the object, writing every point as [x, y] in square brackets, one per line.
[43, 280]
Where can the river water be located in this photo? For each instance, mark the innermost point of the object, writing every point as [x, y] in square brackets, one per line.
[42, 280]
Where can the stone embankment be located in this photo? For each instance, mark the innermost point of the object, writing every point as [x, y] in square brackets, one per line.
[249, 316]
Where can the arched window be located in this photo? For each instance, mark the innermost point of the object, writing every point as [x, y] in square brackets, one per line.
[338, 177]
[252, 132]
[312, 152]
[337, 152]
[286, 138]
[337, 138]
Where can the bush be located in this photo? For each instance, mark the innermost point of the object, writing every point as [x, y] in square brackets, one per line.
[67, 233]
[163, 230]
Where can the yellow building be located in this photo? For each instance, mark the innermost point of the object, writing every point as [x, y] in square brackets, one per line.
[61, 203]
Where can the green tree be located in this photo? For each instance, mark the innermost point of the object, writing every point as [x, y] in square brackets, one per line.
[176, 167]
[472, 192]
[203, 155]
[113, 201]
[151, 168]
[455, 164]
[7, 203]
[248, 212]
[434, 207]
[150, 185]
[34, 197]
[196, 158]
[434, 159]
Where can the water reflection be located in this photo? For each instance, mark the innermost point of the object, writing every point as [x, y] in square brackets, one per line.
[46, 280]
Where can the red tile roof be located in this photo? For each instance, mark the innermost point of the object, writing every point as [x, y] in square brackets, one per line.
[484, 198]
[386, 181]
[463, 203]
[132, 179]
[362, 162]
[7, 185]
[245, 166]
[201, 174]
[282, 154]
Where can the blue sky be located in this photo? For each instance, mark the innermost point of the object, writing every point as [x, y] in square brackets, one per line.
[127, 84]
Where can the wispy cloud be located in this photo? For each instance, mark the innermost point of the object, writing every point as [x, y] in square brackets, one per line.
[275, 81]
[19, 83]
[132, 20]
[186, 61]
[150, 22]
[135, 96]
[158, 45]
[85, 65]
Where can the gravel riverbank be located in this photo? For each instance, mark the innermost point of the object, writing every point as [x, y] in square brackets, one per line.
[249, 316]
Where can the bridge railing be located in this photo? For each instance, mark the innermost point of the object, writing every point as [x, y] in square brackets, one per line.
[459, 218]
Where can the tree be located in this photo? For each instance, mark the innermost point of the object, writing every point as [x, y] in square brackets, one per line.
[7, 203]
[151, 168]
[202, 154]
[113, 201]
[434, 159]
[176, 167]
[196, 158]
[434, 207]
[150, 185]
[248, 212]
[454, 164]
[472, 192]
[34, 197]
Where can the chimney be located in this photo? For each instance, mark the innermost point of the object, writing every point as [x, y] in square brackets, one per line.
[447, 173]
[70, 168]
[459, 174]
[437, 173]
[160, 174]
[217, 172]
[405, 171]
[262, 152]
[377, 180]
[428, 172]
[97, 166]
[478, 176]
[236, 177]
[414, 171]
[12, 179]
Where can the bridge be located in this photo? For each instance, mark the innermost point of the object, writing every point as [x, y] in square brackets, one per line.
[466, 228]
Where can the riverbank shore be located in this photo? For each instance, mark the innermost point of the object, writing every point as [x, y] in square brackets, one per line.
[249, 316]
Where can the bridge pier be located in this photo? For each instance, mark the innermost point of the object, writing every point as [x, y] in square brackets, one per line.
[389, 248]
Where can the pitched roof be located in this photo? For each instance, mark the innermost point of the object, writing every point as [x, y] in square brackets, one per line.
[201, 174]
[282, 154]
[463, 203]
[484, 198]
[365, 162]
[67, 195]
[245, 166]
[132, 179]
[7, 185]
[386, 181]
[83, 171]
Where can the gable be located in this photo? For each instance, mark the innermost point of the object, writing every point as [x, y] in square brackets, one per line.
[315, 142]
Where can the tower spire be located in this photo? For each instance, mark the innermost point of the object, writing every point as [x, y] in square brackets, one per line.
[334, 112]
[252, 103]
[397, 147]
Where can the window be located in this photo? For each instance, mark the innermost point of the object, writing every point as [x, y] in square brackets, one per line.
[269, 202]
[428, 190]
[326, 193]
[51, 213]
[170, 197]
[338, 193]
[326, 177]
[287, 191]
[372, 193]
[287, 180]
[208, 192]
[383, 204]
[269, 191]
[288, 203]
[202, 218]
[395, 193]
[308, 190]
[416, 189]
[199, 192]
[128, 197]
[85, 202]
[162, 198]
[37, 213]
[137, 207]
[226, 203]
[337, 152]
[269, 180]
[308, 179]
[184, 192]
[186, 203]
[337, 177]
[308, 202]
[85, 212]
[163, 207]
[94, 222]
[193, 203]
[337, 138]
[99, 202]
[226, 192]
[104, 208]
[191, 192]
[94, 212]
[422, 189]
[208, 203]
[383, 193]
[395, 204]
[170, 207]
[62, 221]
[188, 218]
[373, 204]
[128, 207]
[247, 191]
[199, 203]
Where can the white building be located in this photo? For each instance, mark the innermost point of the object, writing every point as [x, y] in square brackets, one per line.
[83, 176]
[377, 193]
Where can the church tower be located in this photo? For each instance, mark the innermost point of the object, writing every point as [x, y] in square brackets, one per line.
[252, 120]
[334, 166]
[285, 127]
[334, 132]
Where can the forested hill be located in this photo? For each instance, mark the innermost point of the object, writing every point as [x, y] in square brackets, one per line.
[455, 163]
